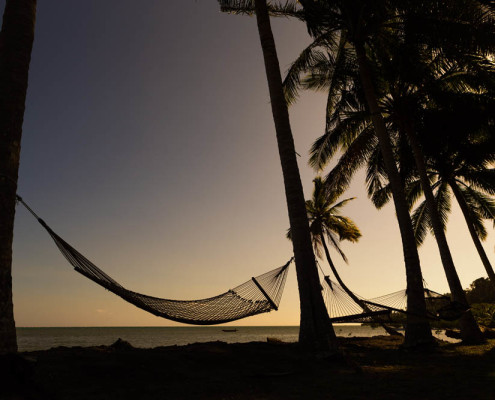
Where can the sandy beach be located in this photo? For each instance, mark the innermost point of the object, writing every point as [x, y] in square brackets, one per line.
[369, 368]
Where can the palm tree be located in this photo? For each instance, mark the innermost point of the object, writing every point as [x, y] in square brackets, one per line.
[316, 331]
[470, 331]
[395, 97]
[363, 25]
[325, 221]
[463, 165]
[367, 28]
[16, 41]
[439, 89]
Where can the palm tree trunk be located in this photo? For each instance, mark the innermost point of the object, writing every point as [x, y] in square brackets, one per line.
[418, 330]
[316, 331]
[336, 274]
[470, 331]
[16, 41]
[354, 298]
[477, 242]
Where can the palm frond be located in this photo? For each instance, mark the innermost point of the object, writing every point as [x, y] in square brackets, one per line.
[342, 135]
[379, 191]
[288, 8]
[344, 227]
[306, 62]
[443, 203]
[421, 223]
[341, 76]
[480, 202]
[479, 207]
[483, 179]
[414, 191]
[339, 178]
[335, 209]
[474, 217]
[332, 238]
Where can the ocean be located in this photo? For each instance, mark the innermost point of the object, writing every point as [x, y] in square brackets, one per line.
[32, 339]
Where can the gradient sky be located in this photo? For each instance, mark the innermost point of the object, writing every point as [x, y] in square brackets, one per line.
[149, 146]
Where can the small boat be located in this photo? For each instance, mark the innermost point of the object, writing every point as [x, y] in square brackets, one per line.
[229, 330]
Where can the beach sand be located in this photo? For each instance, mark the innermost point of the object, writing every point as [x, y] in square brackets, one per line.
[371, 368]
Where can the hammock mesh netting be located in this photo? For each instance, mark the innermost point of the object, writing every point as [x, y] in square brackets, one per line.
[258, 295]
[342, 308]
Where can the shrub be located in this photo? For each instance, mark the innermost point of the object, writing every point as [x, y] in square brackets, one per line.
[484, 314]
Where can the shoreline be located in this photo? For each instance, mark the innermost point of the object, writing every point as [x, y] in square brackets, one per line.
[32, 339]
[369, 368]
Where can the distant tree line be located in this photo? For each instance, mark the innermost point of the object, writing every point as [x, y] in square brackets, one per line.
[481, 291]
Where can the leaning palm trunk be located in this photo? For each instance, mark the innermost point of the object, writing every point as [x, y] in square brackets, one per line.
[316, 330]
[354, 298]
[477, 242]
[418, 330]
[470, 331]
[16, 41]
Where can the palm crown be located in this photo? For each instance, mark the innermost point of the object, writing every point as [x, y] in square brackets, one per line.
[326, 221]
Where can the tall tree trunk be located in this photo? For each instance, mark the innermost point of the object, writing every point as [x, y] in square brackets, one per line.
[418, 330]
[16, 42]
[336, 274]
[354, 298]
[316, 330]
[477, 242]
[470, 331]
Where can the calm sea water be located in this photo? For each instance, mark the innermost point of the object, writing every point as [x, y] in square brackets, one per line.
[31, 339]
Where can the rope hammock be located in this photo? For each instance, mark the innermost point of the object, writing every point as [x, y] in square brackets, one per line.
[342, 308]
[258, 295]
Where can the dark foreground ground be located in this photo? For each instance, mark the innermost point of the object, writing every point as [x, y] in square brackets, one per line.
[372, 368]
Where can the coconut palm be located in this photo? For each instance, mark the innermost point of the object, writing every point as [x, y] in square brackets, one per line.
[469, 329]
[367, 28]
[463, 165]
[406, 113]
[326, 221]
[363, 150]
[16, 38]
[316, 331]
[362, 25]
[393, 102]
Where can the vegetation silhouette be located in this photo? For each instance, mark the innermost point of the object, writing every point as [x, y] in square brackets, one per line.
[481, 291]
[355, 29]
[463, 166]
[407, 78]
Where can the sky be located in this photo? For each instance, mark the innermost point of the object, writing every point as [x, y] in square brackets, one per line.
[148, 144]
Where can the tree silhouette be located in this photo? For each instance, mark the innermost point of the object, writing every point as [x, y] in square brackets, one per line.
[16, 42]
[316, 330]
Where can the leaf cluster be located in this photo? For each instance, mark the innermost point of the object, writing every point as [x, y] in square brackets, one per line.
[434, 71]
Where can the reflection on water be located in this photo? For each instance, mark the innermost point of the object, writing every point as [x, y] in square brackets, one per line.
[30, 339]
